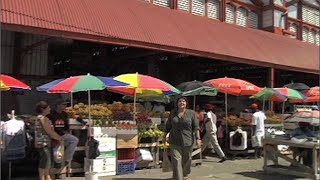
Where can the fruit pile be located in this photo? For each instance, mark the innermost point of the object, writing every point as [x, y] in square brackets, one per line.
[125, 125]
[149, 132]
[235, 121]
[103, 123]
[164, 145]
[143, 118]
[273, 118]
[96, 110]
[122, 115]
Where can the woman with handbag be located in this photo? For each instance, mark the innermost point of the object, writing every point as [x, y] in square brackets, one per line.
[44, 136]
[182, 125]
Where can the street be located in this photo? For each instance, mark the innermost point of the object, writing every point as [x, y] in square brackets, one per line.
[240, 169]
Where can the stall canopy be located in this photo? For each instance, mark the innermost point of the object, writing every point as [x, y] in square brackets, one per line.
[139, 24]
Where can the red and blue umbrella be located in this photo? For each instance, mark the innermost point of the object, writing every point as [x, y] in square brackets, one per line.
[81, 83]
[10, 83]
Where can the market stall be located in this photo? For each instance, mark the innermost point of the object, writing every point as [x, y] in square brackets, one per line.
[271, 152]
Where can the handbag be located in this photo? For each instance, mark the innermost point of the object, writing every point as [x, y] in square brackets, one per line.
[166, 163]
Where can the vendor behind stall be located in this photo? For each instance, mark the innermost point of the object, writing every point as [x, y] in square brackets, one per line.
[303, 131]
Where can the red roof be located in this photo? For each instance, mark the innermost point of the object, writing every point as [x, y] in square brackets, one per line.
[140, 24]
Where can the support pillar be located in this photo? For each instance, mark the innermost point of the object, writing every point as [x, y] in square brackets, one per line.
[271, 84]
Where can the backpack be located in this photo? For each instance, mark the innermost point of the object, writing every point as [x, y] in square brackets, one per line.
[93, 148]
[237, 139]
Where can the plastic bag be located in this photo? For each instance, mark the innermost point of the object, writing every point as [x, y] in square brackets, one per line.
[58, 153]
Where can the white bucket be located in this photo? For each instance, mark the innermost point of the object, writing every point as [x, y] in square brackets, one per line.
[91, 176]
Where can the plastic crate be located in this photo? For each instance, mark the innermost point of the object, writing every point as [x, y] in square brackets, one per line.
[126, 154]
[126, 166]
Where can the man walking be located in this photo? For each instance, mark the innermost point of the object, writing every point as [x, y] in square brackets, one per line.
[258, 119]
[60, 121]
[211, 132]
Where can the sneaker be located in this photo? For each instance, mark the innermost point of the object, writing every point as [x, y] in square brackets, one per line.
[223, 159]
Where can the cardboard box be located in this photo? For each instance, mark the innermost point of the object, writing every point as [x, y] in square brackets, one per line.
[127, 141]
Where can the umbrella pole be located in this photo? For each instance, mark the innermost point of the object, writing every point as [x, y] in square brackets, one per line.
[134, 105]
[283, 106]
[89, 104]
[194, 102]
[226, 110]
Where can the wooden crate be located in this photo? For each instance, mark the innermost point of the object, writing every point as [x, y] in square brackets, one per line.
[127, 141]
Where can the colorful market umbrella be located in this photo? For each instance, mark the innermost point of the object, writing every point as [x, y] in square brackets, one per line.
[84, 83]
[290, 93]
[195, 88]
[314, 91]
[49, 85]
[233, 86]
[143, 86]
[10, 83]
[312, 95]
[267, 93]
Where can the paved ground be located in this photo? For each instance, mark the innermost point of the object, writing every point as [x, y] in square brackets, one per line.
[241, 169]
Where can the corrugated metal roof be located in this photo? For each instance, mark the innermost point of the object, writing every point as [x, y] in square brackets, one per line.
[140, 24]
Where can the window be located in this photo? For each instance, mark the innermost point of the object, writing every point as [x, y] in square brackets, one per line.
[305, 32]
[312, 36]
[230, 14]
[165, 3]
[310, 15]
[278, 19]
[241, 17]
[293, 28]
[318, 38]
[198, 7]
[214, 9]
[253, 19]
[184, 5]
[292, 11]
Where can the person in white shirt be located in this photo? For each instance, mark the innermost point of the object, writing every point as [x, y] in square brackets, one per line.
[210, 136]
[258, 119]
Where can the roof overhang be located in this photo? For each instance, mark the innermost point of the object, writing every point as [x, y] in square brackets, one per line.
[139, 24]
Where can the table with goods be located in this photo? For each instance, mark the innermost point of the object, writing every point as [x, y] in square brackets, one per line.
[134, 143]
[291, 165]
[242, 125]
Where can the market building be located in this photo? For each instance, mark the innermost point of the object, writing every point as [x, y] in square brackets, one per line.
[270, 43]
[267, 42]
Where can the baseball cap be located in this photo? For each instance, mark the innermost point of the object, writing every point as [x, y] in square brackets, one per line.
[61, 101]
[254, 106]
[208, 106]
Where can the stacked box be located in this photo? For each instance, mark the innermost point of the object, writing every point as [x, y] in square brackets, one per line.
[105, 164]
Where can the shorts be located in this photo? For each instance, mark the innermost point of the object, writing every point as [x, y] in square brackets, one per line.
[45, 158]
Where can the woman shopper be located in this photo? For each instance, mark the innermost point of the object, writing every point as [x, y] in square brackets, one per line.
[183, 127]
[44, 133]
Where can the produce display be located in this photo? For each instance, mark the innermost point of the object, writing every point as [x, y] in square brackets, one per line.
[143, 118]
[153, 131]
[159, 114]
[273, 118]
[164, 145]
[236, 121]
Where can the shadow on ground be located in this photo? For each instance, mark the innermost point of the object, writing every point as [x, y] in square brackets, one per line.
[261, 175]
